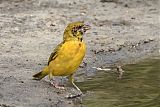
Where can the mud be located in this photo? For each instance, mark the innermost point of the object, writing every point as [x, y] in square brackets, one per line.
[122, 32]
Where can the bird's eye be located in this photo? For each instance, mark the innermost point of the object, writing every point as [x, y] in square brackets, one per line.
[76, 28]
[79, 27]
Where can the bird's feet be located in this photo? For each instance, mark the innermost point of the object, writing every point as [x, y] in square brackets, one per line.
[58, 86]
[71, 96]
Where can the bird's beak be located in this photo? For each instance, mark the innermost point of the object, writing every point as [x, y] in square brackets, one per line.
[86, 27]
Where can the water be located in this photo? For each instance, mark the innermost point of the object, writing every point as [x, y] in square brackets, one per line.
[139, 87]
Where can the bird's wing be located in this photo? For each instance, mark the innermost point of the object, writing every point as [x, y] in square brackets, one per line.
[54, 54]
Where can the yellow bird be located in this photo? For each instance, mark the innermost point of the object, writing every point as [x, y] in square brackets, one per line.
[68, 55]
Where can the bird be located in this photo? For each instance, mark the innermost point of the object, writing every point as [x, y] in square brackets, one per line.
[68, 55]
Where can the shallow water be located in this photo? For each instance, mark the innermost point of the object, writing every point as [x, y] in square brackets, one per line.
[139, 87]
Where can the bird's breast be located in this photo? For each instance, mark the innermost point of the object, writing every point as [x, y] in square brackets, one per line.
[73, 49]
[69, 58]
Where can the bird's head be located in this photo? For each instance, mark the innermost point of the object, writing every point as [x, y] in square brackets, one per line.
[75, 31]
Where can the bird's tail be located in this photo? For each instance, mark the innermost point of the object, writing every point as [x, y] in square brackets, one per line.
[41, 74]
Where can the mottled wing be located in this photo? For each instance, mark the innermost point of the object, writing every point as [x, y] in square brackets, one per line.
[54, 54]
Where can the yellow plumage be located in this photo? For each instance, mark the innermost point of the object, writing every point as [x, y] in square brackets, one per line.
[68, 55]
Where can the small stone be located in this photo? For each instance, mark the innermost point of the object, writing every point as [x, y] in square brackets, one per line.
[120, 71]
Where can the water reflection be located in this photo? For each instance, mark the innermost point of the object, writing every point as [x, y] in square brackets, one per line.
[139, 87]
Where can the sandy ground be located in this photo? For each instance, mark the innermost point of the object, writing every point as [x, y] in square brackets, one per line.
[122, 32]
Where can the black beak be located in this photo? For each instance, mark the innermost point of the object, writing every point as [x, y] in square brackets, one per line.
[86, 27]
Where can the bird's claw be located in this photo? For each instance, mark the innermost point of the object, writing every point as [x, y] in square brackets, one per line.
[70, 96]
[61, 87]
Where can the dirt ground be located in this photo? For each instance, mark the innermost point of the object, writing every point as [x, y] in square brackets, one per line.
[122, 32]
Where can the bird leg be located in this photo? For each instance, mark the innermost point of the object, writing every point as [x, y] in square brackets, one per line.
[61, 87]
[71, 78]
[70, 96]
